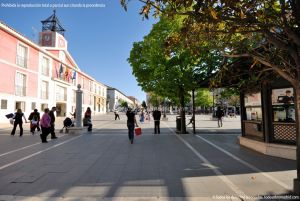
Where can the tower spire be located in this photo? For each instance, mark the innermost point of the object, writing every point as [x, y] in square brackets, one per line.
[52, 23]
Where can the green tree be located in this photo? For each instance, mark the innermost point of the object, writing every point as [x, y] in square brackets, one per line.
[155, 100]
[167, 75]
[232, 96]
[203, 98]
[124, 104]
[171, 72]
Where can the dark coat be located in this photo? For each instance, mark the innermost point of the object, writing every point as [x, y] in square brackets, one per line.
[52, 116]
[156, 115]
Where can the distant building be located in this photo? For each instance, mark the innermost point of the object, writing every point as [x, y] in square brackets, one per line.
[115, 98]
[135, 101]
[43, 75]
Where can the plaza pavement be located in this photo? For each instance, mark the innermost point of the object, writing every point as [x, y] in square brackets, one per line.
[103, 165]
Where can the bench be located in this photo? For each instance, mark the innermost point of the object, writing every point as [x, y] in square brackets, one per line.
[75, 130]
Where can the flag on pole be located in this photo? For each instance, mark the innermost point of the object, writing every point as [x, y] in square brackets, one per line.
[74, 75]
[67, 74]
[56, 71]
[61, 69]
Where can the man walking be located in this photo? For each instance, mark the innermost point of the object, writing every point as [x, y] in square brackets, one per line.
[219, 115]
[131, 122]
[52, 116]
[156, 117]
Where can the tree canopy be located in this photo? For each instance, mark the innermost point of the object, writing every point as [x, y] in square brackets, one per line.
[203, 98]
[266, 30]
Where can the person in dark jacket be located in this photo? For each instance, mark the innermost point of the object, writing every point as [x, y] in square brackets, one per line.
[87, 120]
[219, 115]
[34, 119]
[131, 122]
[52, 116]
[19, 115]
[156, 116]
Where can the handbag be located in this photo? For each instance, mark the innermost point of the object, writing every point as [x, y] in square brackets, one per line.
[138, 131]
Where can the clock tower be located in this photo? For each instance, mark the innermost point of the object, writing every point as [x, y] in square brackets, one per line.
[52, 34]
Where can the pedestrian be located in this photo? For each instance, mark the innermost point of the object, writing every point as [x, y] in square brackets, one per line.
[131, 122]
[142, 116]
[219, 115]
[46, 125]
[156, 116]
[147, 116]
[18, 117]
[52, 116]
[117, 115]
[87, 120]
[34, 119]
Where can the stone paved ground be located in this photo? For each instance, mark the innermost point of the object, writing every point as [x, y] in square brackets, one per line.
[103, 165]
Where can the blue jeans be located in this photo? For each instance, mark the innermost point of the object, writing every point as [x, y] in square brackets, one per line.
[130, 127]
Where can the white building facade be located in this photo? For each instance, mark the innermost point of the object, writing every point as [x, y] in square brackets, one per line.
[115, 98]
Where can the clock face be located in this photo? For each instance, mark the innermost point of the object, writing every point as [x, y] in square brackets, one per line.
[47, 37]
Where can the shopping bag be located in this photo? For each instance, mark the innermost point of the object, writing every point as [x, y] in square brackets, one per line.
[138, 131]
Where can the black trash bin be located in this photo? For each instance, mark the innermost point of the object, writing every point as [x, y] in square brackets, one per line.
[178, 123]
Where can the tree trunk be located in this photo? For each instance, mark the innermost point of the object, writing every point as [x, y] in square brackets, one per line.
[193, 117]
[182, 112]
[297, 110]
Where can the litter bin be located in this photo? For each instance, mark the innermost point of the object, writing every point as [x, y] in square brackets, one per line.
[178, 123]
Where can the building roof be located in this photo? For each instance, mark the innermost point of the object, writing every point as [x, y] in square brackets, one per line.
[52, 23]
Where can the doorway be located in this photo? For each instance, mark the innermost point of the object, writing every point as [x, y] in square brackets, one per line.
[61, 109]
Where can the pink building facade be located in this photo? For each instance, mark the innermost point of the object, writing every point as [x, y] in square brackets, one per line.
[37, 76]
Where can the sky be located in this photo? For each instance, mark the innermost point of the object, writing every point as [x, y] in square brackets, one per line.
[99, 38]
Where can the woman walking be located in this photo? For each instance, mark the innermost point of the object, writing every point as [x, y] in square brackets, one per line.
[18, 121]
[45, 125]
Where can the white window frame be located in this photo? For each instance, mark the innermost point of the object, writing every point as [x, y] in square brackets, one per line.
[47, 71]
[59, 95]
[47, 90]
[26, 58]
[24, 90]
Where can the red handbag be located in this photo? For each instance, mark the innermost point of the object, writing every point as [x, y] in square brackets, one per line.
[138, 131]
